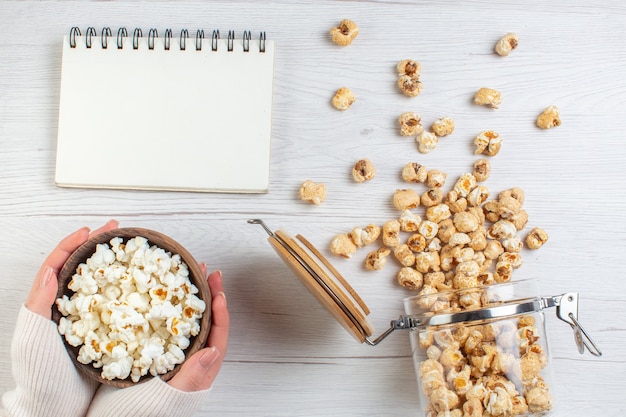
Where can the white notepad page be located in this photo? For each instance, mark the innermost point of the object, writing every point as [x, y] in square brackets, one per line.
[194, 120]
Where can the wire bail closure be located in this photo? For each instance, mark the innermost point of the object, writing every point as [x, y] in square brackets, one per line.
[566, 310]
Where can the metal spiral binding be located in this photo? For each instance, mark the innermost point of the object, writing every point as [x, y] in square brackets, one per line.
[151, 35]
[73, 33]
[214, 39]
[136, 35]
[231, 40]
[199, 37]
[104, 37]
[246, 41]
[168, 39]
[122, 33]
[184, 34]
[90, 32]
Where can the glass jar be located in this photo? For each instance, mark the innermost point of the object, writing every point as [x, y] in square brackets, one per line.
[482, 349]
[477, 351]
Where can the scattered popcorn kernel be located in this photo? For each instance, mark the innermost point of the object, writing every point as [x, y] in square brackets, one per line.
[391, 233]
[363, 170]
[377, 259]
[409, 67]
[446, 230]
[410, 85]
[502, 229]
[406, 199]
[414, 172]
[410, 278]
[436, 178]
[482, 169]
[404, 255]
[520, 219]
[508, 207]
[438, 213]
[478, 196]
[506, 44]
[515, 192]
[409, 221]
[428, 229]
[513, 244]
[549, 118]
[491, 209]
[536, 238]
[342, 245]
[488, 143]
[363, 236]
[426, 141]
[410, 124]
[443, 127]
[465, 222]
[493, 249]
[503, 272]
[431, 197]
[488, 97]
[313, 192]
[343, 99]
[538, 400]
[345, 33]
[416, 242]
[464, 185]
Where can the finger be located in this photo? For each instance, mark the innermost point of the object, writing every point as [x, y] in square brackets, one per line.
[202, 266]
[43, 293]
[220, 319]
[201, 369]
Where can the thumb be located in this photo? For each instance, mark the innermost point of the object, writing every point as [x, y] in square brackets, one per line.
[199, 371]
[43, 292]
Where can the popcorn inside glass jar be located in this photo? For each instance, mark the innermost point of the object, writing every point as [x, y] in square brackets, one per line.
[133, 310]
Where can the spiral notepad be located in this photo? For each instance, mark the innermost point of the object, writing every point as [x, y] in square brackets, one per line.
[143, 111]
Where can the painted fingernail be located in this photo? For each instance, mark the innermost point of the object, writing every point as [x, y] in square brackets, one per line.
[47, 275]
[209, 357]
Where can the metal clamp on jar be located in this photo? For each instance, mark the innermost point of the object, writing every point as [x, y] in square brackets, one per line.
[481, 348]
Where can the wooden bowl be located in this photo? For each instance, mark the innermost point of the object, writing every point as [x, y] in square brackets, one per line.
[81, 254]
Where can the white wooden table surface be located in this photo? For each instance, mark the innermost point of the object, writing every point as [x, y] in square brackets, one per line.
[287, 356]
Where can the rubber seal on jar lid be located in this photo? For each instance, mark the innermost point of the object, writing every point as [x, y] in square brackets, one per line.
[323, 281]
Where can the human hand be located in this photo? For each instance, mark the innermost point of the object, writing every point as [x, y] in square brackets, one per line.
[44, 289]
[200, 370]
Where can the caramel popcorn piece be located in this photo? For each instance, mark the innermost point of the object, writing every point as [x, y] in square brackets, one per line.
[506, 44]
[536, 238]
[377, 259]
[482, 169]
[406, 199]
[409, 67]
[410, 278]
[363, 236]
[410, 124]
[313, 192]
[343, 99]
[363, 170]
[426, 142]
[345, 33]
[410, 85]
[549, 118]
[414, 172]
[443, 127]
[342, 245]
[488, 97]
[391, 233]
[488, 143]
